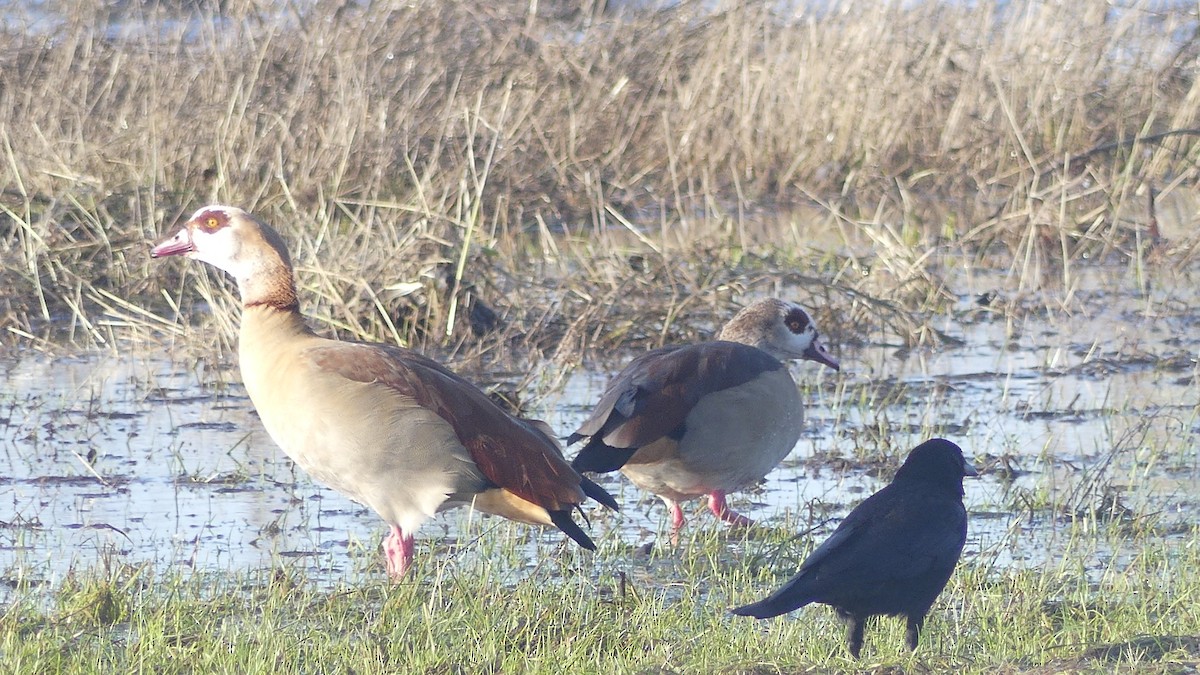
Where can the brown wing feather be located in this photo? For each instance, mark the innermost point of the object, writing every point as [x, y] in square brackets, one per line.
[618, 387]
[653, 395]
[510, 452]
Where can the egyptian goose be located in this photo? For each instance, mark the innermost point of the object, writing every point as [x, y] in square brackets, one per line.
[893, 554]
[707, 418]
[385, 426]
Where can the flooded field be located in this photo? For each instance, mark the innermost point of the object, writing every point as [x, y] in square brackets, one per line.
[1088, 411]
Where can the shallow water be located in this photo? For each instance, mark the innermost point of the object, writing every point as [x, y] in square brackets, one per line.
[150, 457]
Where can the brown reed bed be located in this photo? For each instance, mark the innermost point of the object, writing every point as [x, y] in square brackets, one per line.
[525, 179]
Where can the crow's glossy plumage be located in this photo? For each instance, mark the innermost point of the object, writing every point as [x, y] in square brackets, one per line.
[893, 554]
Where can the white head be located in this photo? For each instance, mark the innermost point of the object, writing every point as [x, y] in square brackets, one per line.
[232, 240]
[782, 329]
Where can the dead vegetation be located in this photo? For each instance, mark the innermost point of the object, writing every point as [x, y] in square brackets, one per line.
[560, 182]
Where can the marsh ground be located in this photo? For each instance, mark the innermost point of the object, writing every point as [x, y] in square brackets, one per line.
[991, 209]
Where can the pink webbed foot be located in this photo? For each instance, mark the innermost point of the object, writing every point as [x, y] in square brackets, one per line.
[720, 509]
[398, 548]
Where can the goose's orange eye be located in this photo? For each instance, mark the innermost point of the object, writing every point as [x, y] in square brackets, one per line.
[797, 321]
[209, 220]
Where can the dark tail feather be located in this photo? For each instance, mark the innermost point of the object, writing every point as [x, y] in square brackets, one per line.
[563, 520]
[598, 493]
[759, 610]
[781, 601]
[600, 458]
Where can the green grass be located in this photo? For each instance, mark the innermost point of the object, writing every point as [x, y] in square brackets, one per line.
[575, 614]
[605, 193]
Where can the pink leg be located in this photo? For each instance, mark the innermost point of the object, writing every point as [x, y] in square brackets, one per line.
[398, 547]
[716, 504]
[677, 519]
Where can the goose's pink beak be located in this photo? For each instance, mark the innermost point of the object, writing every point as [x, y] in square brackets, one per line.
[179, 244]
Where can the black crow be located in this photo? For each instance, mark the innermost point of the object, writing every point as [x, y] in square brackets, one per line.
[893, 554]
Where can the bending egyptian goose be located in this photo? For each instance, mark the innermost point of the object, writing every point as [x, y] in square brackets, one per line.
[893, 554]
[707, 418]
[385, 426]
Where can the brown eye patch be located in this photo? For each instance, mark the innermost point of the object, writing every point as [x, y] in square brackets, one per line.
[212, 221]
[797, 321]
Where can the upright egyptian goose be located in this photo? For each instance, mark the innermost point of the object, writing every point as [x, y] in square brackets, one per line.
[893, 554]
[707, 418]
[385, 426]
